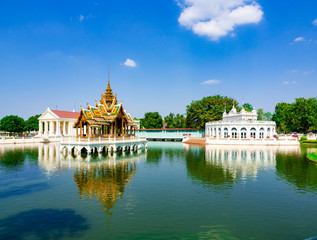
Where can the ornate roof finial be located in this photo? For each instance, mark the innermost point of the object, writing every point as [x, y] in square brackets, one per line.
[108, 75]
[87, 103]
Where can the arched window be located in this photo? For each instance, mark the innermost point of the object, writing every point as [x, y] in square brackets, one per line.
[269, 132]
[262, 133]
[234, 133]
[243, 133]
[219, 130]
[253, 133]
[225, 132]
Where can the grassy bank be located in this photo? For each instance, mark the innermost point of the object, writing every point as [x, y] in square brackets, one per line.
[313, 156]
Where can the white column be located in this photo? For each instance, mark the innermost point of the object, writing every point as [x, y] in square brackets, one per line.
[40, 127]
[64, 128]
[58, 126]
[51, 128]
[70, 128]
[45, 128]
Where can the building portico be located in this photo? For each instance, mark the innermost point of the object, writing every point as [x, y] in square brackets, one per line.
[55, 123]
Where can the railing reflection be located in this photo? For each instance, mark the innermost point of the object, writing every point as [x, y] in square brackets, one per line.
[52, 161]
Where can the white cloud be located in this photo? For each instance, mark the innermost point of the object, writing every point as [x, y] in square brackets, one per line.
[294, 71]
[308, 72]
[81, 18]
[218, 18]
[210, 82]
[299, 39]
[289, 82]
[130, 63]
[315, 22]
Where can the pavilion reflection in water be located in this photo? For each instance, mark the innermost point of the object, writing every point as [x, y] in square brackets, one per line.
[243, 161]
[103, 178]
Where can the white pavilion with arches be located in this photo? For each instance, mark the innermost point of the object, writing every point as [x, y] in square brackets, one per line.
[240, 125]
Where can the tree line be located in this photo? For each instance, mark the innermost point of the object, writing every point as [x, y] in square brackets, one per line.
[299, 116]
[15, 124]
[198, 113]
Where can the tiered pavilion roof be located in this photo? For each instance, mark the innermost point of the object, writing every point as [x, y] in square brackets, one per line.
[106, 119]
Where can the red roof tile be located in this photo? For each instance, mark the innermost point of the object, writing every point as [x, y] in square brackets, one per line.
[65, 114]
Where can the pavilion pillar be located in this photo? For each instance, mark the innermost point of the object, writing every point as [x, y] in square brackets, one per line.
[81, 129]
[88, 132]
[115, 128]
[121, 131]
[76, 131]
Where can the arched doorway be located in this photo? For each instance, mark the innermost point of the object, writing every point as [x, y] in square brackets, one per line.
[262, 133]
[253, 133]
[234, 133]
[225, 132]
[243, 133]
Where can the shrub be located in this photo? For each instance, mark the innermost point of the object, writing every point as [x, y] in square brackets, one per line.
[303, 138]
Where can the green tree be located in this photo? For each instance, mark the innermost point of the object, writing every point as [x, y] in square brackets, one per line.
[12, 124]
[169, 120]
[248, 107]
[267, 116]
[282, 116]
[175, 121]
[208, 109]
[32, 124]
[304, 114]
[299, 116]
[264, 116]
[152, 120]
[260, 113]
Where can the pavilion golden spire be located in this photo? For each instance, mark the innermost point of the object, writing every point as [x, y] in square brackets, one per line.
[108, 97]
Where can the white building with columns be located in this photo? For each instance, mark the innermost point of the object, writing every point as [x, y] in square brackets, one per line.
[240, 125]
[56, 123]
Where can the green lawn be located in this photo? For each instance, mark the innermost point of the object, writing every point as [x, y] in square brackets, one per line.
[312, 157]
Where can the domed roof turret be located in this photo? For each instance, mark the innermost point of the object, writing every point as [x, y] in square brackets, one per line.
[233, 110]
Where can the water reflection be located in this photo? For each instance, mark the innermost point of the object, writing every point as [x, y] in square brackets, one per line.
[221, 166]
[52, 161]
[297, 170]
[157, 151]
[97, 176]
[105, 182]
[12, 156]
[203, 171]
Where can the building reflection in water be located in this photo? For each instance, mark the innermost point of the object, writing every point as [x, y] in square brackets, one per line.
[97, 176]
[243, 161]
[219, 167]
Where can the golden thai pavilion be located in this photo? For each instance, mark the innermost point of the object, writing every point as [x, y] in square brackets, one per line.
[106, 119]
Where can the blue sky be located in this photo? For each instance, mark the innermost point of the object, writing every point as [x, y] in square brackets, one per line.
[162, 54]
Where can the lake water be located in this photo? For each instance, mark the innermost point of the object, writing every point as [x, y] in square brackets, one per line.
[170, 191]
